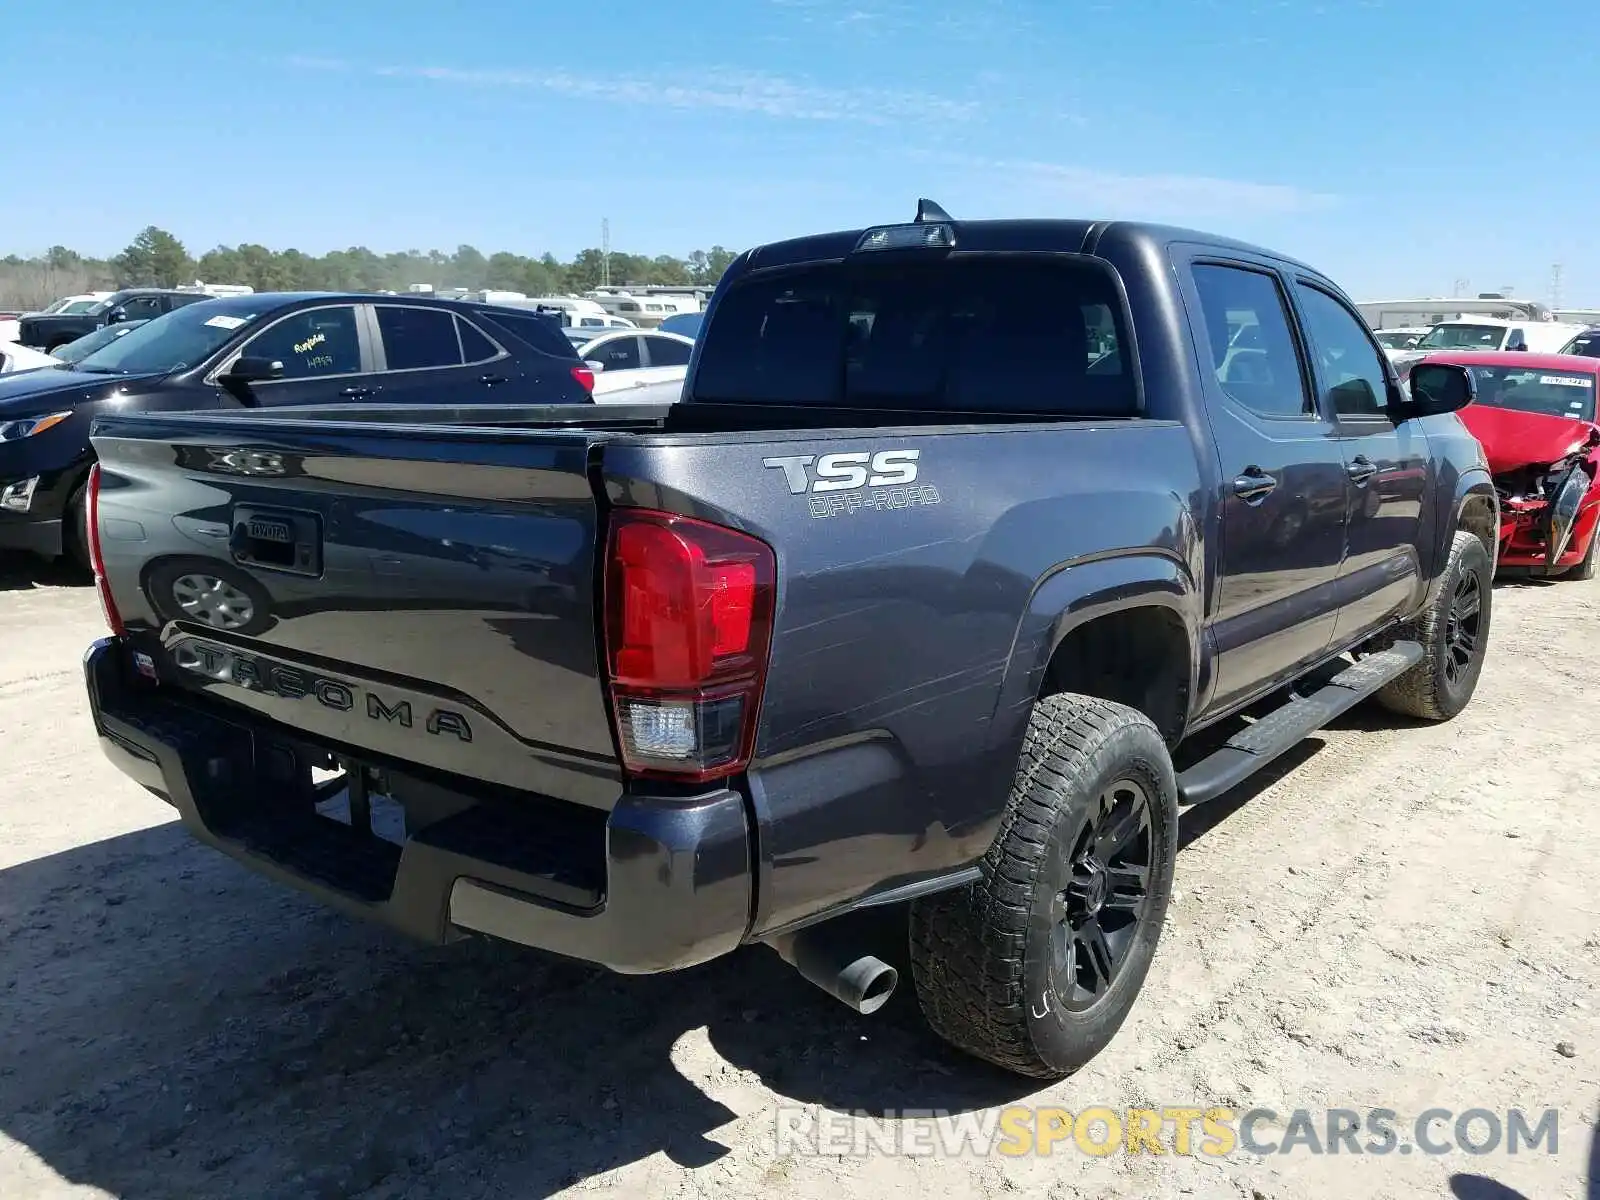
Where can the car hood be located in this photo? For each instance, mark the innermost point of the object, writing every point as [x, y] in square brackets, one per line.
[30, 391]
[62, 318]
[1513, 439]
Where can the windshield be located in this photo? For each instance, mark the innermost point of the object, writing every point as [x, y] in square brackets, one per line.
[687, 324]
[1398, 341]
[1463, 337]
[985, 334]
[1553, 393]
[76, 351]
[178, 339]
[76, 307]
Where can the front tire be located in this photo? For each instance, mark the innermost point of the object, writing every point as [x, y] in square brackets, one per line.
[1454, 633]
[1035, 966]
[75, 530]
[1591, 560]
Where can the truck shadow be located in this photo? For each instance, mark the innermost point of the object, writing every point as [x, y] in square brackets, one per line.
[21, 572]
[176, 1026]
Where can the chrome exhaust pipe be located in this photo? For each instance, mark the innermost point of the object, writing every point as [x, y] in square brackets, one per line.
[830, 957]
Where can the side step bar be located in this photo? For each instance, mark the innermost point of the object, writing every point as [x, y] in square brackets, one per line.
[1253, 747]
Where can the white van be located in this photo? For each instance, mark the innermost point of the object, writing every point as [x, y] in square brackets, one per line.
[649, 309]
[576, 312]
[1495, 333]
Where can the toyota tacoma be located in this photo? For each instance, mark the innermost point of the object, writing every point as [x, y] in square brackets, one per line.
[912, 606]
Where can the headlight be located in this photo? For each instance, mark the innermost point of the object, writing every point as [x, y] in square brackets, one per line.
[26, 427]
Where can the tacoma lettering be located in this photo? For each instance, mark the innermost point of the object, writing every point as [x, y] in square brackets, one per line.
[292, 683]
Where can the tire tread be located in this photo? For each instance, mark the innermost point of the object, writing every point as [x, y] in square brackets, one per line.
[968, 944]
[1419, 692]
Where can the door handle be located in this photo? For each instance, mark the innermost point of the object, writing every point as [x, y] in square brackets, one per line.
[1361, 470]
[1254, 485]
[355, 393]
[491, 380]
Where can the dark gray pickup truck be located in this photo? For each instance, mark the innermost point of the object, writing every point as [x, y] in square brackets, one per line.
[960, 534]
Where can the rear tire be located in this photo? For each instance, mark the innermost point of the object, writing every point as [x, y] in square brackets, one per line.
[1035, 966]
[1454, 634]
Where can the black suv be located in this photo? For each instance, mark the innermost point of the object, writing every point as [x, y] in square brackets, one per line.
[1585, 345]
[46, 331]
[259, 350]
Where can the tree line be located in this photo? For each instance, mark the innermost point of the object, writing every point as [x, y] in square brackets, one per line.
[156, 258]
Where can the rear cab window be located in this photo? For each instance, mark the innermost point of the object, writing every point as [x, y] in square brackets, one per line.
[968, 333]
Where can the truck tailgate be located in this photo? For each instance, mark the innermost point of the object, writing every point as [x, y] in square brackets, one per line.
[424, 594]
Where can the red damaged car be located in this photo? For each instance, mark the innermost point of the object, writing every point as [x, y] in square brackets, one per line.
[1535, 417]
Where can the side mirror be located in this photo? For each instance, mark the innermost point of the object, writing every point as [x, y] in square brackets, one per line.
[594, 364]
[1439, 388]
[116, 315]
[249, 368]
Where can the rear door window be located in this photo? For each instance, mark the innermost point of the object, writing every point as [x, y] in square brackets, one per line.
[616, 354]
[664, 352]
[971, 334]
[414, 338]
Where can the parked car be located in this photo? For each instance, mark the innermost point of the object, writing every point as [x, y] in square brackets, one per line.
[590, 322]
[685, 324]
[626, 359]
[263, 350]
[1535, 416]
[901, 610]
[21, 358]
[47, 331]
[1585, 344]
[1489, 333]
[80, 348]
[1404, 338]
[72, 305]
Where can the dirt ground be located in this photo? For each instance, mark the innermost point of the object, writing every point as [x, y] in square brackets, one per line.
[1402, 917]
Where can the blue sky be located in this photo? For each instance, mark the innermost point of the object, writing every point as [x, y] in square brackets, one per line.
[1399, 145]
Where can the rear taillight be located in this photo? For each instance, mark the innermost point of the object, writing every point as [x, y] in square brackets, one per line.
[688, 628]
[585, 377]
[91, 510]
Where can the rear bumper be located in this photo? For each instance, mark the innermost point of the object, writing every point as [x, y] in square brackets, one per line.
[656, 884]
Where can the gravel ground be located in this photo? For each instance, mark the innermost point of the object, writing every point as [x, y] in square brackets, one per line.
[1402, 917]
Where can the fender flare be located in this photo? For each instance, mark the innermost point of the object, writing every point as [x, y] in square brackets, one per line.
[1074, 593]
[1472, 484]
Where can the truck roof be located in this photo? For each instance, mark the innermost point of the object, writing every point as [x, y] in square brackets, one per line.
[1083, 235]
[256, 302]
